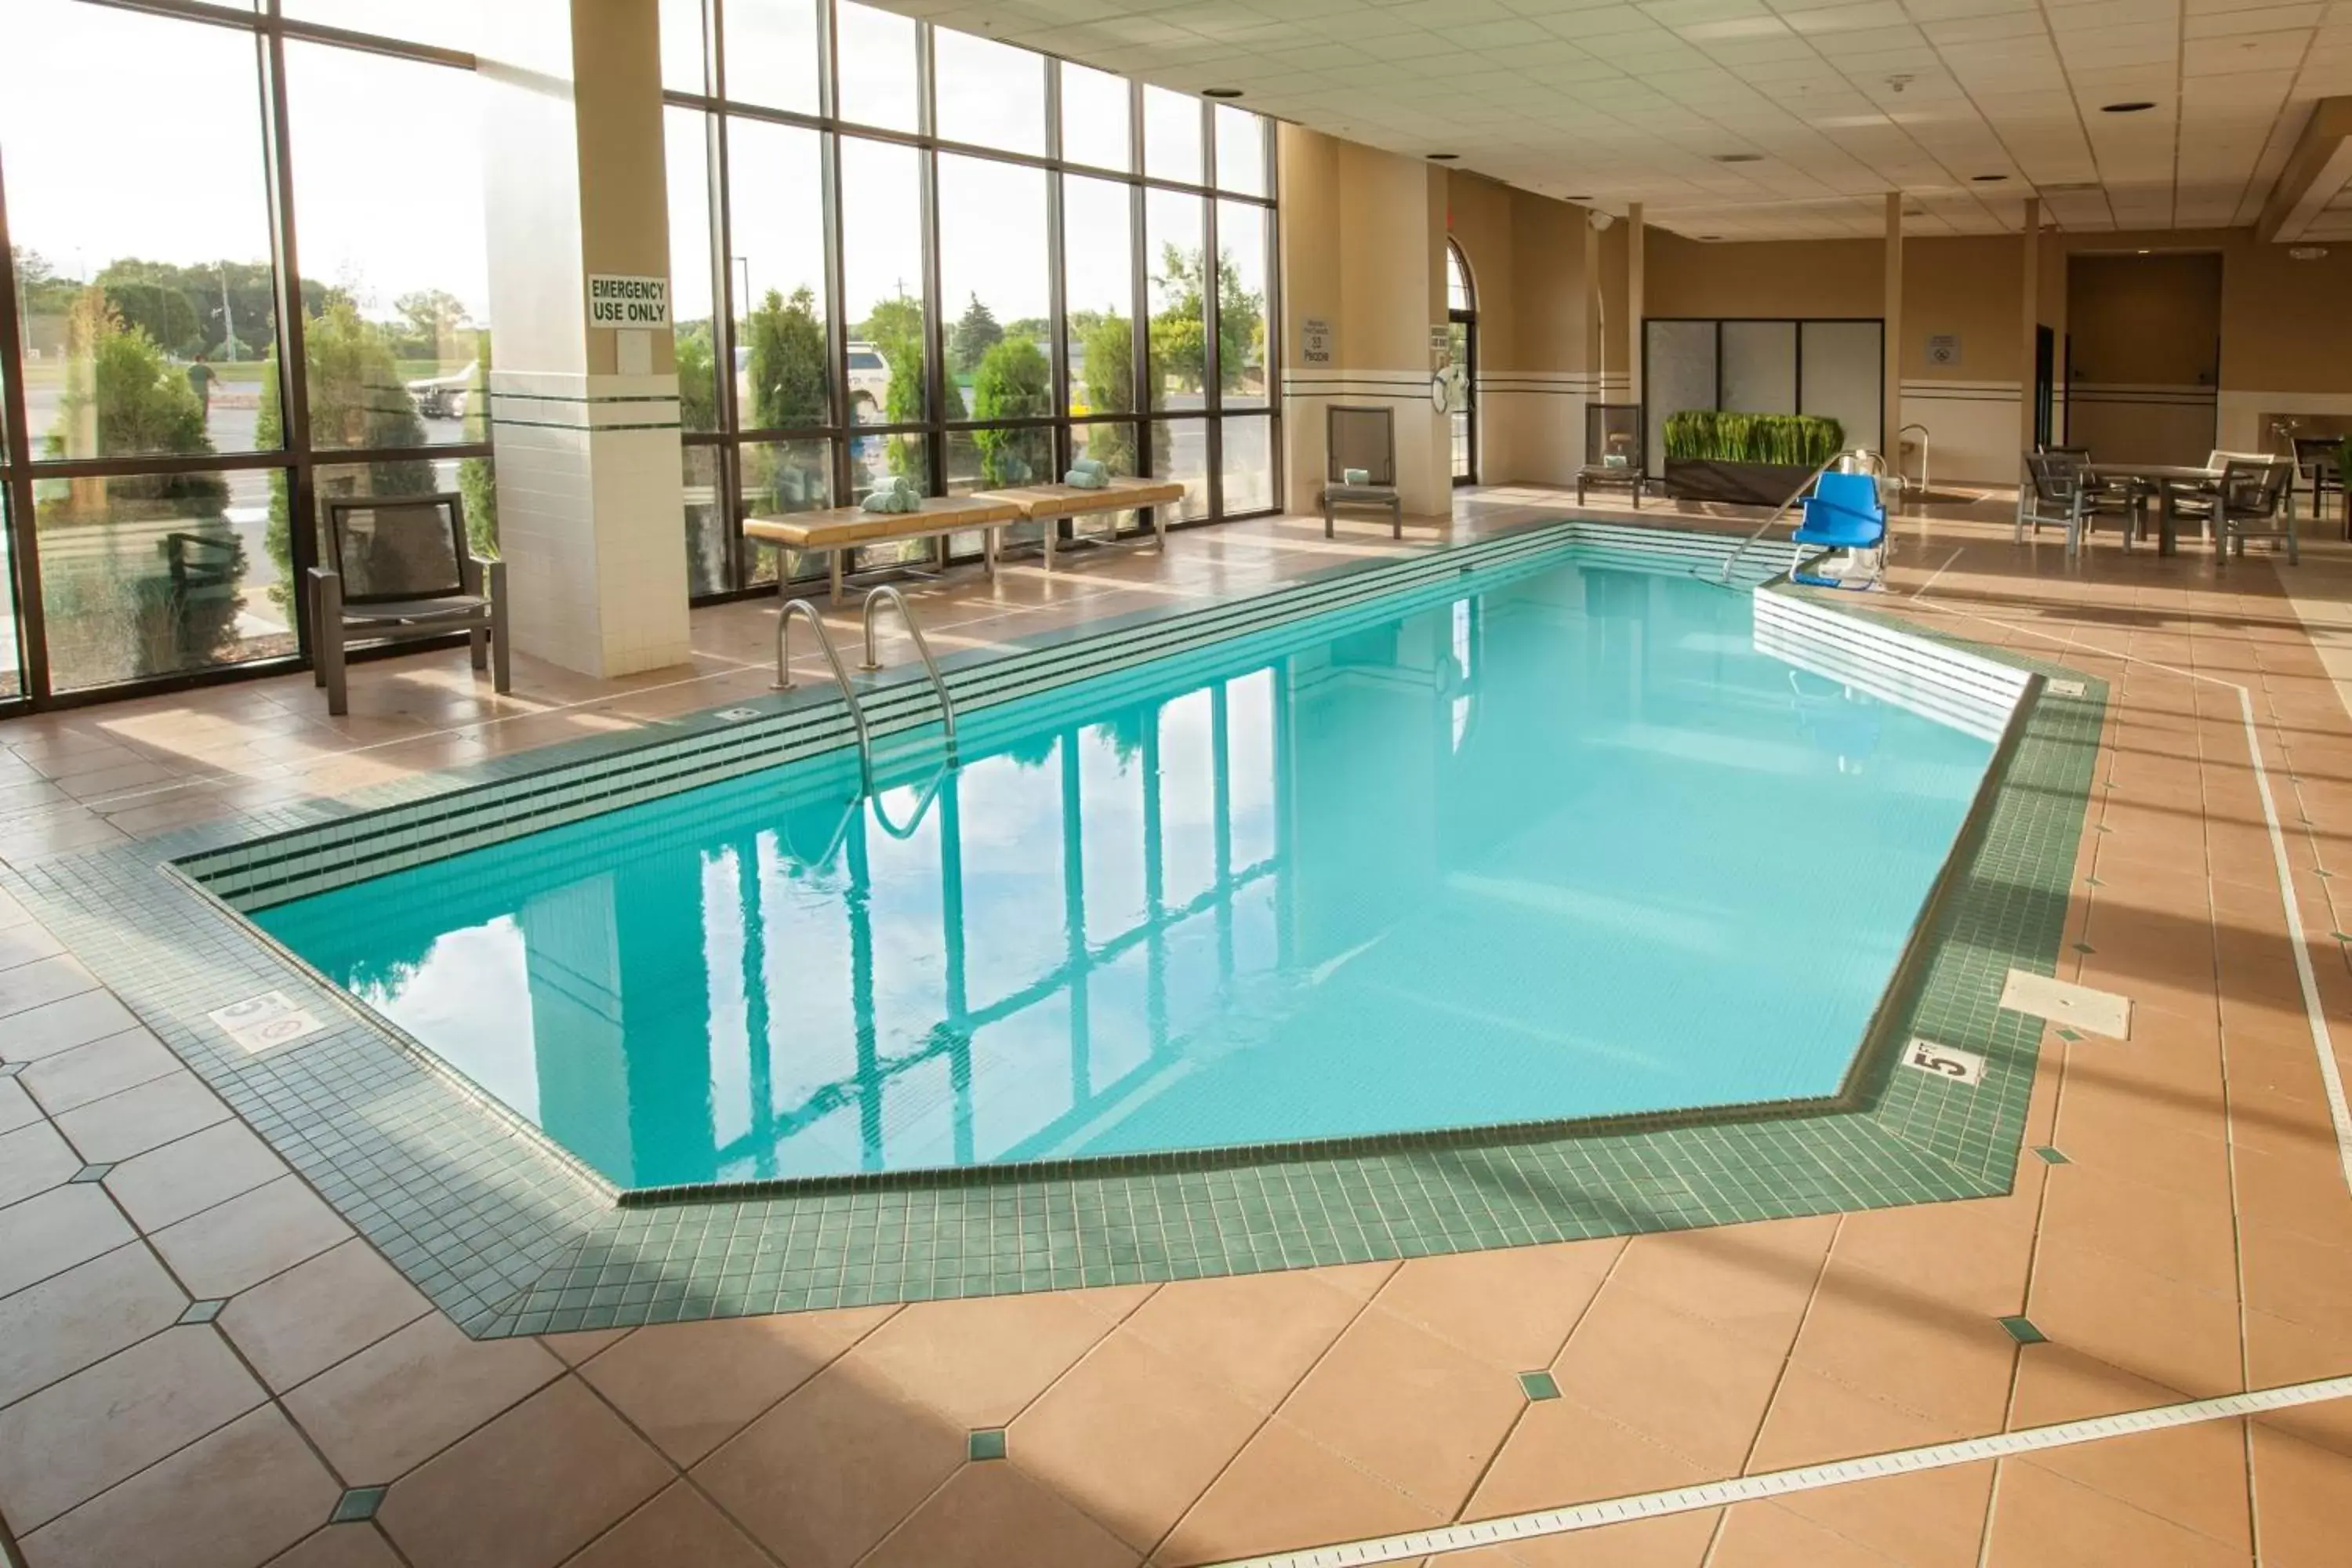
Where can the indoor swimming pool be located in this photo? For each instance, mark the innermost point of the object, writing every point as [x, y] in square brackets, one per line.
[1556, 840]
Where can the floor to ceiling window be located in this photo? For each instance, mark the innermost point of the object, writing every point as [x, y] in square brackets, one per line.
[1461, 344]
[897, 251]
[957, 262]
[175, 394]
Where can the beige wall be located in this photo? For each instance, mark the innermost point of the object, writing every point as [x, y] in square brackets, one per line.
[1788, 278]
[1527, 258]
[2145, 321]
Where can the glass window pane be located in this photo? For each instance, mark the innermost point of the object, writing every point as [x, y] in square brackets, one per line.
[775, 189]
[682, 57]
[1240, 152]
[471, 478]
[1249, 464]
[1171, 135]
[1095, 117]
[873, 459]
[882, 282]
[128, 244]
[707, 570]
[780, 477]
[990, 94]
[449, 24]
[988, 459]
[771, 53]
[1180, 308]
[1098, 290]
[1115, 445]
[994, 283]
[396, 269]
[145, 576]
[1241, 304]
[875, 51]
[686, 149]
[1457, 282]
[1179, 451]
[11, 658]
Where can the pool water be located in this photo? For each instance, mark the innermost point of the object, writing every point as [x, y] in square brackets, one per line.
[1557, 842]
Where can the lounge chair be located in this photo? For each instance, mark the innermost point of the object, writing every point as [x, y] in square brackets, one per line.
[1361, 440]
[398, 568]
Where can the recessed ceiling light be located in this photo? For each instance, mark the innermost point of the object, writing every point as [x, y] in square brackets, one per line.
[2306, 252]
[1710, 237]
[1221, 92]
[2133, 107]
[1988, 179]
[1738, 157]
[1444, 157]
[1578, 199]
[2143, 250]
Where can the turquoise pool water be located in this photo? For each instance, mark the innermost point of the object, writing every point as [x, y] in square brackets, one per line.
[1552, 842]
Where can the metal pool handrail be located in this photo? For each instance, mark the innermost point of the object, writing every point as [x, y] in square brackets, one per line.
[1925, 483]
[886, 593]
[840, 675]
[1795, 496]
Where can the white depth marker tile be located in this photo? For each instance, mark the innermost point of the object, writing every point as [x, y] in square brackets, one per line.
[1812, 1477]
[259, 1023]
[1945, 1061]
[2063, 1002]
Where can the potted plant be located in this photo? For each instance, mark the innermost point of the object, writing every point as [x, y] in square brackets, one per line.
[1755, 459]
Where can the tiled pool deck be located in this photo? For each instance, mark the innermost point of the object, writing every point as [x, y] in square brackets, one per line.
[202, 1362]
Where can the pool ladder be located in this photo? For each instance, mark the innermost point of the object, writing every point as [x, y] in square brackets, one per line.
[875, 599]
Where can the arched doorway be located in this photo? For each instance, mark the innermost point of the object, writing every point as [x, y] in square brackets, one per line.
[1462, 328]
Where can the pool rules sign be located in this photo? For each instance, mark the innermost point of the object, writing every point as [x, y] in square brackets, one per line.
[618, 301]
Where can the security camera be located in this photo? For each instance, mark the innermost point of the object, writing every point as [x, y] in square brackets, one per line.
[1600, 219]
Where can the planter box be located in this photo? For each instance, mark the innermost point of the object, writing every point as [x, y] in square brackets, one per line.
[1744, 484]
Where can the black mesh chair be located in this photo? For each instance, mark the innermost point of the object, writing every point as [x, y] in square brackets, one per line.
[2248, 502]
[1363, 440]
[1615, 457]
[398, 568]
[2319, 460]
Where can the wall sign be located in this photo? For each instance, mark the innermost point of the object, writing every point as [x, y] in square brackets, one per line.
[1314, 340]
[619, 301]
[1944, 348]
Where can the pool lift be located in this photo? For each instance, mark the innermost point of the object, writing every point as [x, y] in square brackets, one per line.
[1844, 512]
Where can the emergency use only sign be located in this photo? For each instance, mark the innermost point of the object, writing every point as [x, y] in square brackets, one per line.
[618, 301]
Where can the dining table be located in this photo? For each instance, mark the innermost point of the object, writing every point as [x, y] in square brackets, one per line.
[2166, 482]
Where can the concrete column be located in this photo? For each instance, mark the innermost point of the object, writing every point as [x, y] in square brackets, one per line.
[1633, 301]
[2030, 321]
[1891, 434]
[583, 418]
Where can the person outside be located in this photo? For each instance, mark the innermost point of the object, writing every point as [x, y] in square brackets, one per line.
[201, 376]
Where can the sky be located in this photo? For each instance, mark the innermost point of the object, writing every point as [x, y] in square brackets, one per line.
[166, 163]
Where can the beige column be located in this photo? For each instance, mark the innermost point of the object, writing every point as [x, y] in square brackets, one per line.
[1891, 438]
[584, 415]
[1633, 299]
[2029, 319]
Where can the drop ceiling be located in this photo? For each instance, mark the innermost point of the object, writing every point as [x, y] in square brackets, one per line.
[1623, 101]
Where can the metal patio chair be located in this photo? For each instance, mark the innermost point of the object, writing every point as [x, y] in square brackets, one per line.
[2059, 490]
[398, 568]
[1361, 437]
[2248, 502]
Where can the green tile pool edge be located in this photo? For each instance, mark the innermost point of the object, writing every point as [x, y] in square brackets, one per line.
[508, 1241]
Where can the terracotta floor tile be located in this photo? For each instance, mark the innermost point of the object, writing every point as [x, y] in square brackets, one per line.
[2191, 1240]
[989, 1514]
[341, 1546]
[1929, 1519]
[1677, 1541]
[193, 1173]
[1946, 1364]
[73, 1078]
[2193, 1476]
[1766, 1535]
[1692, 1388]
[60, 1025]
[2042, 1521]
[16, 1108]
[679, 1527]
[981, 1360]
[238, 1244]
[24, 943]
[1409, 1406]
[1284, 1491]
[142, 1118]
[2298, 1495]
[412, 1394]
[304, 1320]
[2147, 1324]
[1749, 1278]
[1561, 1452]
[72, 1440]
[1131, 1436]
[827, 1473]
[582, 1344]
[1816, 1418]
[42, 981]
[1512, 1307]
[527, 1491]
[82, 1316]
[51, 1233]
[691, 1386]
[33, 1160]
[1255, 1333]
[229, 1500]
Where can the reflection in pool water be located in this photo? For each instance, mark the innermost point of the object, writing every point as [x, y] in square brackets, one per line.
[1566, 846]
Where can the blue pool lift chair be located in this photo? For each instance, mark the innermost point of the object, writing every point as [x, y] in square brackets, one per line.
[1845, 514]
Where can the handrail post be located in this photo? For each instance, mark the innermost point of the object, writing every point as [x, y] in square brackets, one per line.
[840, 678]
[886, 593]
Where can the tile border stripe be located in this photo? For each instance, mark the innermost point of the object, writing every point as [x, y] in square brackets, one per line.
[1810, 1478]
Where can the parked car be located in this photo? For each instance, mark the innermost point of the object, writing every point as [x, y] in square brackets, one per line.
[444, 396]
[869, 381]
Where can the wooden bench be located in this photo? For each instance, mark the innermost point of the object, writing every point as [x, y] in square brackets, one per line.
[1049, 504]
[845, 528]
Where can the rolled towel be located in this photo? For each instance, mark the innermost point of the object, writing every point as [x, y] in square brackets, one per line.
[1092, 465]
[881, 500]
[1356, 475]
[1086, 479]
